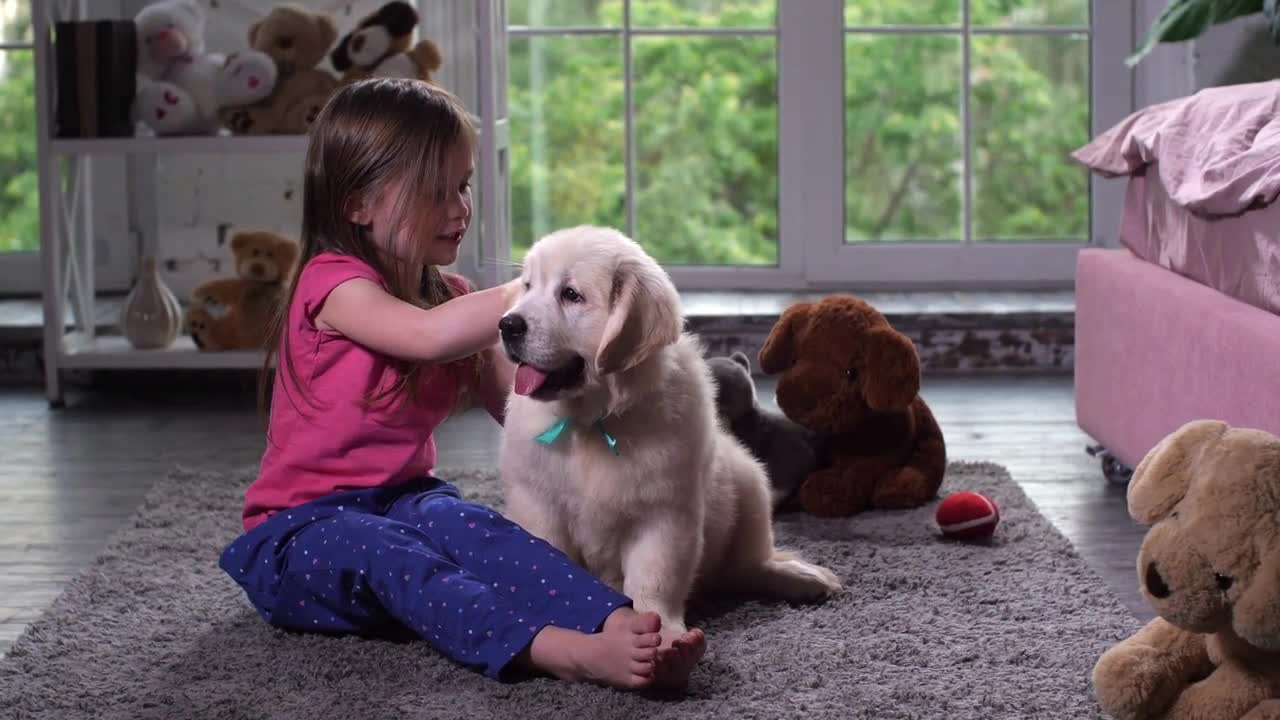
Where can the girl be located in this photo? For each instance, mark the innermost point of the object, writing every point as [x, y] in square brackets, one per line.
[346, 531]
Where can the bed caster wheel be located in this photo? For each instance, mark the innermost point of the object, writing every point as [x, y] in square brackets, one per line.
[1112, 469]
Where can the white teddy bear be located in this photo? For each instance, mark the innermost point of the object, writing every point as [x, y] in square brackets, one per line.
[180, 86]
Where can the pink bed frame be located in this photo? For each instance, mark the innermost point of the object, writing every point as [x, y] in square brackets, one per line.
[1155, 350]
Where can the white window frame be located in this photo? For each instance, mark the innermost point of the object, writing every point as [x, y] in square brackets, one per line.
[812, 253]
[115, 253]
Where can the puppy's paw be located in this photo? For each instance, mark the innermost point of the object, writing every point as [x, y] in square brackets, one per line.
[819, 581]
[800, 581]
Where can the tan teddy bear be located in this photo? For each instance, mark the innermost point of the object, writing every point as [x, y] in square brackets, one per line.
[235, 313]
[1210, 567]
[297, 40]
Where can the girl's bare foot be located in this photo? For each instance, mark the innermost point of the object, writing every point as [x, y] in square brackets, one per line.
[623, 654]
[677, 656]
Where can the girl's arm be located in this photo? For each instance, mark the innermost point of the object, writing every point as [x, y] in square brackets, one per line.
[364, 313]
[499, 374]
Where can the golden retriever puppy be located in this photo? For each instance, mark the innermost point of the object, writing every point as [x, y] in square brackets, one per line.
[612, 451]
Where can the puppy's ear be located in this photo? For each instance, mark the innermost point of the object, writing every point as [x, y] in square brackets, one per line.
[644, 316]
[742, 359]
[779, 351]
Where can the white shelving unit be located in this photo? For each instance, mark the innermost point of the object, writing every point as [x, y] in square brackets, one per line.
[66, 201]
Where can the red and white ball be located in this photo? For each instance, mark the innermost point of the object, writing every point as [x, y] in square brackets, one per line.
[967, 516]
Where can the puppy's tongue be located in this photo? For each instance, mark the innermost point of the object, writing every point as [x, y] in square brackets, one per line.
[528, 379]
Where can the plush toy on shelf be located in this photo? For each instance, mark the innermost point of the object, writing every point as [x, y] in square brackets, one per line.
[234, 313]
[181, 88]
[1209, 567]
[788, 451]
[382, 46]
[297, 40]
[848, 374]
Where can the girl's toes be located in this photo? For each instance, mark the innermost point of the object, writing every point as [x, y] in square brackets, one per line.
[648, 640]
[646, 622]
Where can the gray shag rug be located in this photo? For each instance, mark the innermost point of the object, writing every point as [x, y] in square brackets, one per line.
[927, 628]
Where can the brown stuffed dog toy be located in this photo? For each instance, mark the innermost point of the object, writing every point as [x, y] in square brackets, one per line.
[848, 375]
[1210, 567]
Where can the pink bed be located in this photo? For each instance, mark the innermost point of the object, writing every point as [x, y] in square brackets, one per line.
[1184, 321]
[1154, 350]
[1238, 255]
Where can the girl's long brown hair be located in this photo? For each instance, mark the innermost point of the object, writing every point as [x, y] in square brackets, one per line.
[370, 134]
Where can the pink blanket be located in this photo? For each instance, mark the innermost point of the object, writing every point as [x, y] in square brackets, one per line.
[1217, 151]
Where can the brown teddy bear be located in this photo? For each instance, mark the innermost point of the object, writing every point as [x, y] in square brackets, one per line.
[297, 40]
[1210, 568]
[848, 375]
[234, 313]
[382, 46]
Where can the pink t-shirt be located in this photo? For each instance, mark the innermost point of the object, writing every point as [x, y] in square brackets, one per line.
[329, 438]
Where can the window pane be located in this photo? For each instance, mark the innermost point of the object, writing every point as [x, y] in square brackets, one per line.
[902, 138]
[861, 13]
[19, 184]
[706, 153]
[567, 135]
[1007, 13]
[1030, 110]
[15, 21]
[564, 13]
[704, 13]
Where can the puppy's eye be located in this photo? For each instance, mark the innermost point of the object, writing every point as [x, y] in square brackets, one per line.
[570, 295]
[851, 374]
[1224, 581]
[284, 43]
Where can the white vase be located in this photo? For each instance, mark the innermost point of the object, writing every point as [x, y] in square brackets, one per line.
[152, 317]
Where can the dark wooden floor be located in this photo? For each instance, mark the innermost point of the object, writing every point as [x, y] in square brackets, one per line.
[70, 477]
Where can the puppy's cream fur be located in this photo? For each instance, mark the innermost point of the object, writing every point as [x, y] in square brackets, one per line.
[683, 508]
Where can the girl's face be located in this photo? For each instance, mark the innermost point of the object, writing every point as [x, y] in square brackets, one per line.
[436, 245]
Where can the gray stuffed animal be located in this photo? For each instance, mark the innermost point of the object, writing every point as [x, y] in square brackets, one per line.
[788, 451]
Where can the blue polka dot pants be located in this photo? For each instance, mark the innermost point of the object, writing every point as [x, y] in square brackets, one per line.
[461, 576]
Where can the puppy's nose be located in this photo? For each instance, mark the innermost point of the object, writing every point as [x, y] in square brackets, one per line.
[1155, 583]
[512, 326]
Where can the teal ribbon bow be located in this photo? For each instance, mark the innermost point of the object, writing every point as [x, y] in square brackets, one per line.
[551, 434]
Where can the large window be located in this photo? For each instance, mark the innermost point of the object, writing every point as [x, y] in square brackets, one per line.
[19, 196]
[114, 254]
[660, 118]
[823, 142]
